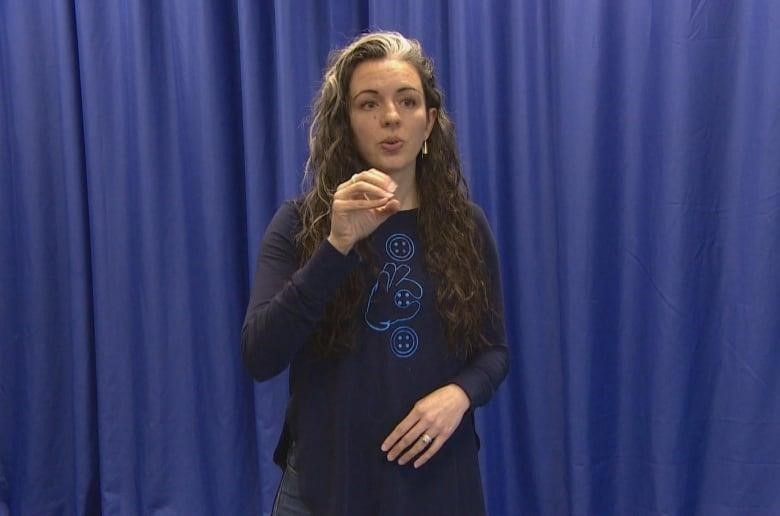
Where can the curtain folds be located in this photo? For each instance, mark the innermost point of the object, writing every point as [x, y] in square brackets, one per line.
[625, 153]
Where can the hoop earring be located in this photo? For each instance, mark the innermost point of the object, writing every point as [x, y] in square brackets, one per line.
[425, 148]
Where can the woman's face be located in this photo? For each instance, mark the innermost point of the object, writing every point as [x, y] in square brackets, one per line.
[387, 114]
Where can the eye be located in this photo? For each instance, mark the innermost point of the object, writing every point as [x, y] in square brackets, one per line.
[409, 102]
[368, 105]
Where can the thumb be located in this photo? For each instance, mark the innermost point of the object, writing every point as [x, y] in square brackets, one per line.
[393, 206]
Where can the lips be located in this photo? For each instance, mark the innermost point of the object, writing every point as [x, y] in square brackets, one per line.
[391, 144]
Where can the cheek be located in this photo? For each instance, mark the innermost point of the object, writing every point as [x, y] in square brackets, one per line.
[361, 128]
[422, 129]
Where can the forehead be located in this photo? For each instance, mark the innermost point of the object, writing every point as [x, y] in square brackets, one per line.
[379, 74]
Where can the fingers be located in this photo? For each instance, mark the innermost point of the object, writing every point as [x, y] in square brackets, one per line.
[430, 452]
[412, 286]
[392, 206]
[398, 432]
[409, 439]
[361, 190]
[367, 190]
[426, 428]
[417, 442]
[377, 178]
[386, 277]
[412, 435]
[417, 445]
[372, 177]
[344, 205]
[401, 273]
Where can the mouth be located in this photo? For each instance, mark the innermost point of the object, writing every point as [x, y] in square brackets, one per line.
[391, 144]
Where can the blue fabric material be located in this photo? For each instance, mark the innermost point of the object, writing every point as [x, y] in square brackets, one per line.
[625, 153]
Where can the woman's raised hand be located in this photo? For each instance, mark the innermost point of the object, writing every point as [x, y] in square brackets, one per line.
[359, 206]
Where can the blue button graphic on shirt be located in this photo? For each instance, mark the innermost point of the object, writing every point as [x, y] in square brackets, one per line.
[404, 298]
[394, 298]
[404, 342]
[399, 247]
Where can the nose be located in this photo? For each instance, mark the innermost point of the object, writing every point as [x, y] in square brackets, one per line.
[390, 116]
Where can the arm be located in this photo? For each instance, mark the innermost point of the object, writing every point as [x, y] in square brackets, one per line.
[480, 378]
[287, 302]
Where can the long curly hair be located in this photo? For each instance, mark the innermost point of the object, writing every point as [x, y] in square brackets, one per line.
[452, 248]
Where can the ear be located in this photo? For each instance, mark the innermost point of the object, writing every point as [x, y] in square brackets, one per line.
[433, 113]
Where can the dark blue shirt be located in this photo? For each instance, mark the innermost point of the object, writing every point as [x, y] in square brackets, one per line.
[341, 409]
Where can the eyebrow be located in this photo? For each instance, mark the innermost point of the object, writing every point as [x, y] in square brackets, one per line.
[399, 90]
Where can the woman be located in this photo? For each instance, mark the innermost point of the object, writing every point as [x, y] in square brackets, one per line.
[380, 288]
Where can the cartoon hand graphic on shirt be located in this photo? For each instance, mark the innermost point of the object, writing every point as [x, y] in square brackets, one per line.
[393, 298]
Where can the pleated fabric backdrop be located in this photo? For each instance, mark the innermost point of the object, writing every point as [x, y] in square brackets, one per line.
[627, 155]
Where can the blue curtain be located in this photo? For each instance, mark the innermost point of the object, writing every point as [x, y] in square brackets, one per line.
[627, 155]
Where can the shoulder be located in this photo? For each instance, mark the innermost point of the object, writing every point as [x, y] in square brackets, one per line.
[478, 214]
[281, 231]
[476, 211]
[289, 211]
[484, 234]
[287, 219]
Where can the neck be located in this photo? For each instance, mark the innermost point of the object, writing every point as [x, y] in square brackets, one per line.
[406, 193]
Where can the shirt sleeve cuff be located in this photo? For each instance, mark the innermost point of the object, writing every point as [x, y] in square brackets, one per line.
[473, 383]
[325, 272]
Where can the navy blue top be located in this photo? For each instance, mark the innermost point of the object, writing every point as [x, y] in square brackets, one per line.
[341, 409]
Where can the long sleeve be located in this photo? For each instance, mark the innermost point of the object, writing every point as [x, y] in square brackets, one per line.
[287, 301]
[485, 371]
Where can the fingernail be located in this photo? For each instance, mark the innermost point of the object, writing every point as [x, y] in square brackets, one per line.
[393, 187]
[384, 447]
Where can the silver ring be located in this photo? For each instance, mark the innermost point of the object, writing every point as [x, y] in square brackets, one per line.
[426, 439]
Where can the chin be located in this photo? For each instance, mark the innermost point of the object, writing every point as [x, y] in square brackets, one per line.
[392, 168]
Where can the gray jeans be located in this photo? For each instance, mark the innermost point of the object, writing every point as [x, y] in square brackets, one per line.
[288, 499]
